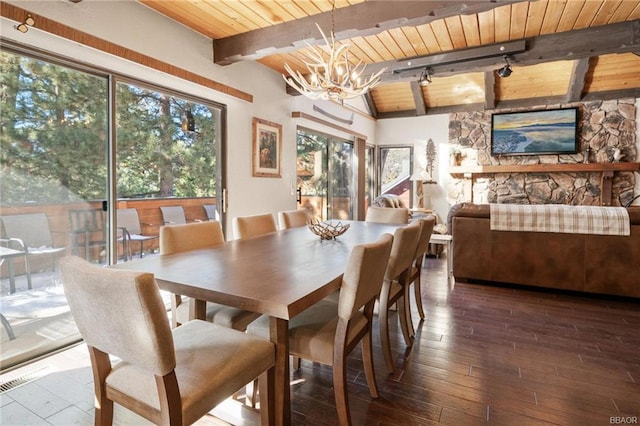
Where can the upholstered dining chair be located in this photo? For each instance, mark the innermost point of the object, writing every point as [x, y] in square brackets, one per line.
[194, 236]
[293, 218]
[169, 377]
[253, 226]
[395, 288]
[387, 214]
[426, 229]
[327, 332]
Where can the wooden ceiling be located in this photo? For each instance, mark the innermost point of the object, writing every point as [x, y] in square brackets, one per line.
[559, 50]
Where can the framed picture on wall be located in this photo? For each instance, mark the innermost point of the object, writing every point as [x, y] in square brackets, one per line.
[267, 147]
[535, 132]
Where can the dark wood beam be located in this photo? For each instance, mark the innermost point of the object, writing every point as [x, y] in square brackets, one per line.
[515, 104]
[577, 80]
[489, 90]
[371, 105]
[418, 98]
[359, 20]
[620, 37]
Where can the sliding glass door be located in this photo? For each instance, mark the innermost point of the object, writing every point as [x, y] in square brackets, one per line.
[53, 192]
[325, 175]
[70, 160]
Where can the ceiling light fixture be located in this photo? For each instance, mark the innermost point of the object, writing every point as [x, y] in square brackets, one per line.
[24, 26]
[331, 74]
[506, 70]
[425, 77]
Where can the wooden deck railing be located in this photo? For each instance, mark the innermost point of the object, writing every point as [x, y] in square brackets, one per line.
[58, 216]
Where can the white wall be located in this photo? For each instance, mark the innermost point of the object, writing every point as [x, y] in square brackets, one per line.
[417, 131]
[132, 25]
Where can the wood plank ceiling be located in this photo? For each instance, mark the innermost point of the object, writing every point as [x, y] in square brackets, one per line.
[559, 50]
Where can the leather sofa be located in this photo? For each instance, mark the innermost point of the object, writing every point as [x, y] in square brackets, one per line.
[602, 264]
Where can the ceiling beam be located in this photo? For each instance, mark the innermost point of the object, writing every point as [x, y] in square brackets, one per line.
[516, 104]
[359, 20]
[418, 98]
[489, 90]
[584, 43]
[577, 80]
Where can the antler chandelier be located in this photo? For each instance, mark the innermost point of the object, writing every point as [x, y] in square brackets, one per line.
[331, 74]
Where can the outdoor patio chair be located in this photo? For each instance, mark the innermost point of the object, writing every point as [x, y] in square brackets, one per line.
[173, 215]
[30, 234]
[128, 222]
[88, 233]
[211, 212]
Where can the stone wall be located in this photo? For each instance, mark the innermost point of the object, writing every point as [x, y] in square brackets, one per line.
[603, 126]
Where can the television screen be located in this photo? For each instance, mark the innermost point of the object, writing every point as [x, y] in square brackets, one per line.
[535, 132]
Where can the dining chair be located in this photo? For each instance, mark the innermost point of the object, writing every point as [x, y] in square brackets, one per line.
[31, 235]
[194, 236]
[426, 229]
[128, 221]
[253, 226]
[327, 332]
[173, 215]
[387, 214]
[395, 288]
[293, 218]
[169, 377]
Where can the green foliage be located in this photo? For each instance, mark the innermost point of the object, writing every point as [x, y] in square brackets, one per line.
[54, 128]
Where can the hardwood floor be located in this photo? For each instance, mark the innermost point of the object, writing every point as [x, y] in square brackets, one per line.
[484, 355]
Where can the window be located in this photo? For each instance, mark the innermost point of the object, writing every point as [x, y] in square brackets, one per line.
[325, 174]
[395, 172]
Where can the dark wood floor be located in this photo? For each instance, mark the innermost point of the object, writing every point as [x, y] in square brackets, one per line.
[495, 355]
[484, 355]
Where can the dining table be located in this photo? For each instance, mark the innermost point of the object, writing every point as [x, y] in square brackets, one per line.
[279, 274]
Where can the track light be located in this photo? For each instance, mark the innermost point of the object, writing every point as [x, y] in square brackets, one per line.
[425, 77]
[506, 70]
[24, 26]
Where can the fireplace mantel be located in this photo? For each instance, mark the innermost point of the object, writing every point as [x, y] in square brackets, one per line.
[606, 169]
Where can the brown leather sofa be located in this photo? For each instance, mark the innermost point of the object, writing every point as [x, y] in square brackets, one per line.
[589, 263]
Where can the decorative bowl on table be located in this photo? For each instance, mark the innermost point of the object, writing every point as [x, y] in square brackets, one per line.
[327, 230]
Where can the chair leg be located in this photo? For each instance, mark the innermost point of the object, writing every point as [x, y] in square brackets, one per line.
[383, 326]
[101, 367]
[267, 381]
[417, 292]
[27, 270]
[340, 389]
[367, 361]
[404, 321]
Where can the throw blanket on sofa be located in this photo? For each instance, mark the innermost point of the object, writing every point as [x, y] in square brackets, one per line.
[560, 218]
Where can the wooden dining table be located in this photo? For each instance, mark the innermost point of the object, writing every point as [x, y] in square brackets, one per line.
[278, 274]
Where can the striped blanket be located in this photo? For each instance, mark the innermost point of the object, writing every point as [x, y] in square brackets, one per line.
[560, 218]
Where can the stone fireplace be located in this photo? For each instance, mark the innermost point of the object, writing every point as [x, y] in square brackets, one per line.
[603, 128]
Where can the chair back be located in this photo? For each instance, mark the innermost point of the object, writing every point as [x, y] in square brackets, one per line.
[293, 218]
[426, 228]
[33, 229]
[129, 219]
[363, 276]
[211, 212]
[405, 241]
[173, 215]
[253, 226]
[120, 313]
[190, 236]
[387, 215]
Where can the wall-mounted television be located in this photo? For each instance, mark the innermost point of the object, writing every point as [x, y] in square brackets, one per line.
[552, 131]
